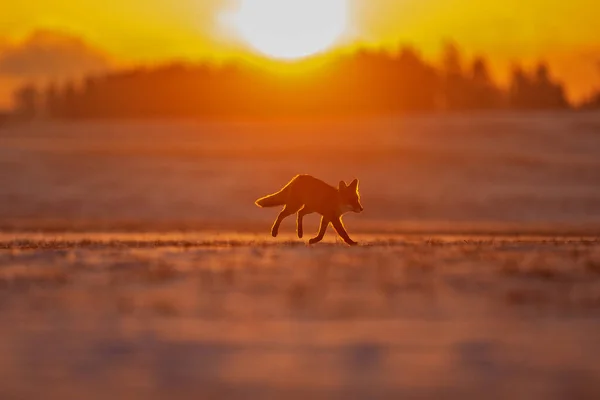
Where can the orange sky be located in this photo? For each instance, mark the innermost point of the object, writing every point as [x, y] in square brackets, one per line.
[147, 31]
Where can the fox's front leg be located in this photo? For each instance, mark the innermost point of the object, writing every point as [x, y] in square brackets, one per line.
[322, 229]
[339, 228]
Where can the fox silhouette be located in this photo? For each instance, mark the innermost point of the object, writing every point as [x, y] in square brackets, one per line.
[305, 194]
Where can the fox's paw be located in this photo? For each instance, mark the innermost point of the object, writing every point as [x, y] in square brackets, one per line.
[314, 241]
[300, 234]
[352, 243]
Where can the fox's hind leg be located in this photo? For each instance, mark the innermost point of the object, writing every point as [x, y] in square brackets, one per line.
[286, 212]
[301, 214]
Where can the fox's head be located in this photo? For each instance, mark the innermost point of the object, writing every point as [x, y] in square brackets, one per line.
[350, 197]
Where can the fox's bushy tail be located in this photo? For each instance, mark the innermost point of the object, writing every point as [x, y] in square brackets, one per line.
[272, 200]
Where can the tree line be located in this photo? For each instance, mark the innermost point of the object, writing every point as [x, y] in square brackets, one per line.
[364, 82]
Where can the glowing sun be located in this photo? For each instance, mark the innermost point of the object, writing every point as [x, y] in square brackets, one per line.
[291, 29]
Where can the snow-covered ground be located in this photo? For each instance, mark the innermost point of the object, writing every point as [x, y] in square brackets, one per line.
[135, 265]
[423, 173]
[188, 316]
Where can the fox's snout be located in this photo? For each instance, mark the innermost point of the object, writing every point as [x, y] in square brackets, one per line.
[356, 207]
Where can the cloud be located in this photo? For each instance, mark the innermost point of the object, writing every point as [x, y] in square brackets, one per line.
[47, 54]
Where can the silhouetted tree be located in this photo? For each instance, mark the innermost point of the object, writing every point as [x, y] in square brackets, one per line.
[520, 92]
[455, 86]
[421, 82]
[537, 92]
[548, 94]
[27, 102]
[484, 94]
[70, 100]
[52, 102]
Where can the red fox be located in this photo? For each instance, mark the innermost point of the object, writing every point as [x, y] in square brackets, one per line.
[306, 195]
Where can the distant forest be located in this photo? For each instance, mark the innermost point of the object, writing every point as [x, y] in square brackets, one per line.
[364, 82]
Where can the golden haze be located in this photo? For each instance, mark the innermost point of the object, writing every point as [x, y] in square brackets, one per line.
[152, 31]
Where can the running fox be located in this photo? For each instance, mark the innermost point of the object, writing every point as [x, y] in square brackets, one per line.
[306, 195]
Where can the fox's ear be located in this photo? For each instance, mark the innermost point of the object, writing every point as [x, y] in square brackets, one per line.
[354, 185]
[342, 186]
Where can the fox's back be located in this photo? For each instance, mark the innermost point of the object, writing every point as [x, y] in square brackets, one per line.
[312, 192]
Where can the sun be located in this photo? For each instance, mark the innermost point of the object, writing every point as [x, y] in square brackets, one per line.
[291, 29]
